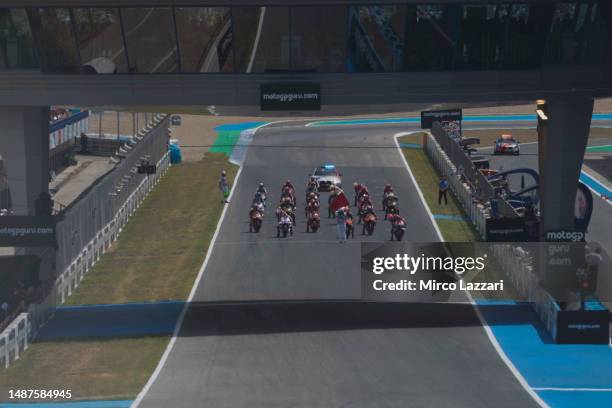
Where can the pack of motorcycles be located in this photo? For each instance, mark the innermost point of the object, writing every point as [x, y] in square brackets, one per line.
[286, 211]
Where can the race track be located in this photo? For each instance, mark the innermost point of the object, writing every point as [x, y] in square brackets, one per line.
[278, 322]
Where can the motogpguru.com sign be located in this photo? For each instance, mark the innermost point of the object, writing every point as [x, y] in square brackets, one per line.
[290, 96]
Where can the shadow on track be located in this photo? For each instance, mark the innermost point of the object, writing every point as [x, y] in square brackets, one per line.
[236, 318]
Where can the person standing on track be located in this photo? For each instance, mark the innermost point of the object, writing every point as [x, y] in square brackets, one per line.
[224, 187]
[442, 189]
[341, 224]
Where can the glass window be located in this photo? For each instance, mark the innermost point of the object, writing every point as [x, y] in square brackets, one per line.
[261, 39]
[151, 40]
[498, 36]
[16, 42]
[376, 38]
[100, 40]
[526, 31]
[578, 34]
[53, 31]
[319, 38]
[606, 14]
[481, 35]
[431, 36]
[204, 37]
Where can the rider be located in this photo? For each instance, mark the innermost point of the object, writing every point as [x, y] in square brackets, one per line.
[262, 189]
[313, 184]
[358, 187]
[349, 222]
[284, 219]
[364, 200]
[259, 198]
[388, 189]
[313, 205]
[396, 220]
[257, 207]
[390, 196]
[368, 210]
[289, 185]
[312, 196]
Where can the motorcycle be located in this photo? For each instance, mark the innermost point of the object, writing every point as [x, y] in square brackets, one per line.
[311, 207]
[398, 229]
[284, 227]
[313, 221]
[350, 228]
[285, 207]
[364, 209]
[363, 200]
[369, 223]
[256, 221]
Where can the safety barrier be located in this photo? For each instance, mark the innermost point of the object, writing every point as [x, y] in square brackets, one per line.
[16, 337]
[68, 281]
[518, 265]
[476, 211]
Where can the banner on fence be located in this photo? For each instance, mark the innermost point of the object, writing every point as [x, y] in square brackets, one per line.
[27, 231]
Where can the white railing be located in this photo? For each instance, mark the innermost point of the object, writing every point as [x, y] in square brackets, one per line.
[515, 262]
[476, 211]
[93, 250]
[518, 265]
[15, 338]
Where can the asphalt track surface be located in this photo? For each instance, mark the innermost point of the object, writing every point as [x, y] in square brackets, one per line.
[278, 322]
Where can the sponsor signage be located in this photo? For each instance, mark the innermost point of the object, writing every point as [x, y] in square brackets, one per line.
[506, 230]
[27, 231]
[583, 327]
[564, 236]
[298, 96]
[428, 117]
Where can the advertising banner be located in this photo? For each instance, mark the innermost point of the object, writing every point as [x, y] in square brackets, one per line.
[451, 115]
[506, 230]
[296, 96]
[27, 231]
[583, 327]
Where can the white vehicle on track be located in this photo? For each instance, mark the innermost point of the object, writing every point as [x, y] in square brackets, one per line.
[326, 176]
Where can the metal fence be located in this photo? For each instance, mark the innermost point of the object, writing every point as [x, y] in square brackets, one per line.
[115, 125]
[476, 210]
[88, 228]
[517, 263]
[462, 161]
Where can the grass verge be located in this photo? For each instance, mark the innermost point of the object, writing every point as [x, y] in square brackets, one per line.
[427, 179]
[92, 369]
[158, 254]
[156, 257]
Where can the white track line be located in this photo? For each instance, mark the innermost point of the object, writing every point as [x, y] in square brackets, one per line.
[573, 389]
[194, 288]
[421, 196]
[609, 202]
[483, 322]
